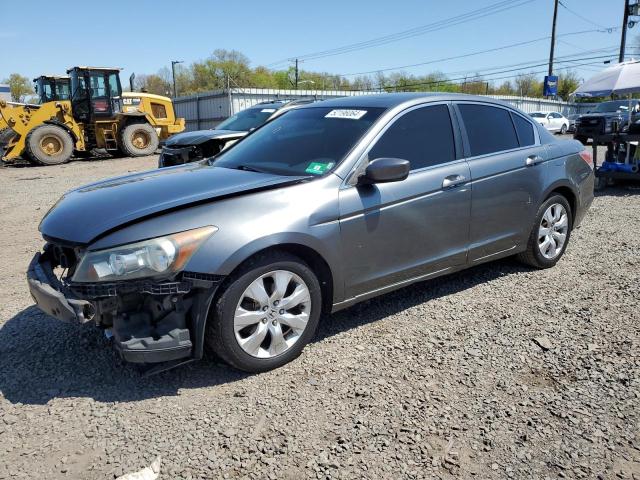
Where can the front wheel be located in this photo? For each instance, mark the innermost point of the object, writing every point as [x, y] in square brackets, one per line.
[138, 140]
[6, 134]
[267, 312]
[49, 145]
[550, 233]
[563, 129]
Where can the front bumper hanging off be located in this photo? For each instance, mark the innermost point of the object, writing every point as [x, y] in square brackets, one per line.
[150, 321]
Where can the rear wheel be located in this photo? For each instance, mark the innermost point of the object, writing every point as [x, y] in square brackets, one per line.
[267, 312]
[550, 233]
[138, 140]
[49, 145]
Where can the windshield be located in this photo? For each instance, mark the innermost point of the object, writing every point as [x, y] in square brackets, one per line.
[619, 106]
[538, 115]
[301, 142]
[247, 119]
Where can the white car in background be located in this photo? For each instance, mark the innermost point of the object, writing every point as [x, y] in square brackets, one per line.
[553, 121]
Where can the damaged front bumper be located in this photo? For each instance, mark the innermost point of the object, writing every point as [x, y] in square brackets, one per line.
[170, 157]
[150, 321]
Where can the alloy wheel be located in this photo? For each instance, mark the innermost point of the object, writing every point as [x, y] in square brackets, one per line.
[272, 314]
[552, 232]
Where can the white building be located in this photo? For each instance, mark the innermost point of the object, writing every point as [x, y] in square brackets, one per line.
[5, 92]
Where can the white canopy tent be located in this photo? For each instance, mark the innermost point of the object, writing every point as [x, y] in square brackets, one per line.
[619, 79]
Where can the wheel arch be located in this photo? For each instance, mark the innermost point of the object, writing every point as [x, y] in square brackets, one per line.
[567, 192]
[128, 118]
[70, 131]
[307, 254]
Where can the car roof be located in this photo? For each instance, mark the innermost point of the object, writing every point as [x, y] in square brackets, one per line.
[274, 104]
[391, 100]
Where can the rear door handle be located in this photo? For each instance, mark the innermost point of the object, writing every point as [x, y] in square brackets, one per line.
[453, 181]
[533, 160]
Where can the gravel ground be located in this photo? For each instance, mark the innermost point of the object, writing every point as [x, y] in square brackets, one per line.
[497, 372]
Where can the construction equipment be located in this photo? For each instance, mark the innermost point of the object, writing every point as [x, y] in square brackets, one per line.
[52, 87]
[97, 115]
[49, 88]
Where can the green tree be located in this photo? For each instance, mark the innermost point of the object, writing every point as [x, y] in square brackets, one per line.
[20, 87]
[154, 83]
[505, 88]
[528, 85]
[567, 84]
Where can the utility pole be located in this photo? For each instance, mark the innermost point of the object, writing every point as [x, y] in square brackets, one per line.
[297, 74]
[623, 38]
[553, 37]
[230, 99]
[173, 74]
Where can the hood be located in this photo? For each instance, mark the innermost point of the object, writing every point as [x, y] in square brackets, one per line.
[200, 136]
[87, 212]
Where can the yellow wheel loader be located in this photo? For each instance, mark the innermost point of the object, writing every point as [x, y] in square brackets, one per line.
[97, 115]
[49, 88]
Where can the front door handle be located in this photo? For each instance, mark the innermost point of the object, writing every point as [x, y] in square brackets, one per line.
[533, 160]
[453, 181]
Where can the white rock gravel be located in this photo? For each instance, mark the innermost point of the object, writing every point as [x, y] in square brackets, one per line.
[439, 380]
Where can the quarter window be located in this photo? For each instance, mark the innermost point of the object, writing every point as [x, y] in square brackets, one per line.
[423, 136]
[524, 129]
[489, 129]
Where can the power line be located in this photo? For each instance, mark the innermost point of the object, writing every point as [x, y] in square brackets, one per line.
[416, 31]
[527, 64]
[504, 47]
[466, 78]
[581, 17]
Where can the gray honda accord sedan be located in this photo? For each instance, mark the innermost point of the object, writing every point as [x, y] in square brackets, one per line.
[327, 205]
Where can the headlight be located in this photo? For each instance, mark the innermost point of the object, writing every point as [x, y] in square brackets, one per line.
[149, 258]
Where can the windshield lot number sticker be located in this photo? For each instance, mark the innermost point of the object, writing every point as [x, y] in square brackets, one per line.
[318, 168]
[348, 114]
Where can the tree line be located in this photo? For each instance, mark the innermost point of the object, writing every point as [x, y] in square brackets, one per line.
[231, 68]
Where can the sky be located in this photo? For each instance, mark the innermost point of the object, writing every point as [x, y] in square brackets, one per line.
[143, 36]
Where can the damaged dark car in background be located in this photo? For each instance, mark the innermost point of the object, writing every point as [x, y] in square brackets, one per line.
[325, 206]
[196, 145]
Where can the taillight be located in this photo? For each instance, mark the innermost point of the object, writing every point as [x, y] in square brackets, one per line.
[587, 157]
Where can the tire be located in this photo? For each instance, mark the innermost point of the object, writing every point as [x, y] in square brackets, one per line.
[83, 153]
[6, 134]
[600, 184]
[582, 139]
[138, 140]
[533, 255]
[221, 336]
[49, 145]
[563, 129]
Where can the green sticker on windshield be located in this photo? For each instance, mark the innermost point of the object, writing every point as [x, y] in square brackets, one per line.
[318, 168]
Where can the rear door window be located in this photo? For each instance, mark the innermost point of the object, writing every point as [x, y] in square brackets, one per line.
[524, 130]
[423, 136]
[489, 129]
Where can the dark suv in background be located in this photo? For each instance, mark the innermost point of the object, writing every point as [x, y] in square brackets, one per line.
[605, 118]
[192, 146]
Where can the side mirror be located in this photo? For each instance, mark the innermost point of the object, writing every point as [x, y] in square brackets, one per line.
[384, 170]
